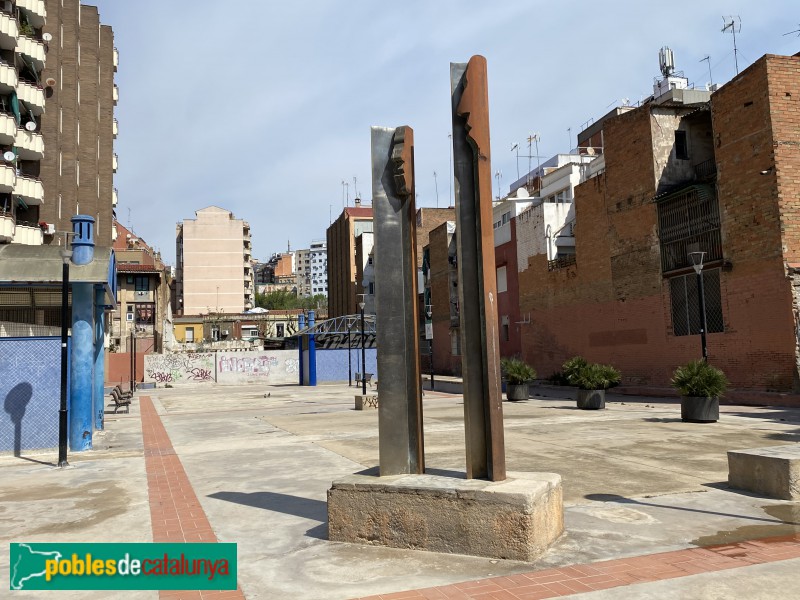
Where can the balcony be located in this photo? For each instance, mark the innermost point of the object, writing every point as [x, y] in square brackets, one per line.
[114, 163]
[28, 234]
[144, 296]
[35, 11]
[115, 59]
[32, 96]
[30, 145]
[9, 31]
[115, 128]
[8, 178]
[115, 94]
[8, 78]
[33, 49]
[30, 189]
[114, 198]
[8, 129]
[6, 226]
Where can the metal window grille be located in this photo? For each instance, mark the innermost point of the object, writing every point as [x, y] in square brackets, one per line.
[688, 221]
[686, 305]
[30, 312]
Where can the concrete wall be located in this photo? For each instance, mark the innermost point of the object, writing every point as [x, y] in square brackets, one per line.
[179, 368]
[232, 368]
[30, 387]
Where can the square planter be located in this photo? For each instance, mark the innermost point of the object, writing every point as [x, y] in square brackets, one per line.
[591, 399]
[696, 409]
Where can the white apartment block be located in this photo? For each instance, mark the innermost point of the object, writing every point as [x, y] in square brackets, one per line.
[319, 267]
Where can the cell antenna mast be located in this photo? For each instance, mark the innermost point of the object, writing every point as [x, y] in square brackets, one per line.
[707, 58]
[734, 23]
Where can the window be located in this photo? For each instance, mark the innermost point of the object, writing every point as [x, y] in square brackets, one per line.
[688, 221]
[686, 304]
[279, 330]
[144, 314]
[504, 328]
[681, 147]
[502, 282]
[371, 288]
[142, 283]
[189, 335]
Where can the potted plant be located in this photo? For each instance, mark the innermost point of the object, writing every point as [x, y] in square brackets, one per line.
[571, 368]
[700, 386]
[593, 380]
[517, 374]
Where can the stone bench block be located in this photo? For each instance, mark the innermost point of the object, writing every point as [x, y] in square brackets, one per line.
[518, 518]
[773, 471]
[370, 400]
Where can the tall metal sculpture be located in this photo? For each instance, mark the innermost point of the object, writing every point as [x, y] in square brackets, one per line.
[477, 290]
[400, 414]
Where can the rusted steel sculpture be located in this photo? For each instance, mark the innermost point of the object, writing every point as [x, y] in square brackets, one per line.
[477, 290]
[400, 437]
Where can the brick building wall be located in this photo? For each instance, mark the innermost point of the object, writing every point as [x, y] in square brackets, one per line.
[505, 255]
[444, 299]
[614, 304]
[77, 175]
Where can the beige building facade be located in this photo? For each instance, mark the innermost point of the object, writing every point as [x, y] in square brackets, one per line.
[214, 263]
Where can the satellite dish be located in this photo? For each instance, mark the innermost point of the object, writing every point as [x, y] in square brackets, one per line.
[50, 81]
[30, 125]
[47, 37]
[523, 193]
[9, 156]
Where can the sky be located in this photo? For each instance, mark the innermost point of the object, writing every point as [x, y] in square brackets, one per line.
[264, 107]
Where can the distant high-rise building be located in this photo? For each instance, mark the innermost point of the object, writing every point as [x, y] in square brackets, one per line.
[214, 269]
[319, 268]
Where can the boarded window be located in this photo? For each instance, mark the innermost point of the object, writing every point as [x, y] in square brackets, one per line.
[502, 281]
[688, 221]
[686, 304]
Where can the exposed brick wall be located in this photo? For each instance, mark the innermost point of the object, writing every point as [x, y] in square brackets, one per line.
[442, 274]
[429, 219]
[614, 305]
[508, 302]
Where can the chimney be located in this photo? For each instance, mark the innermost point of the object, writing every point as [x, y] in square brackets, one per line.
[358, 202]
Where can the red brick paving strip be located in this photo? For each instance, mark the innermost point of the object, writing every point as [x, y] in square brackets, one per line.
[611, 573]
[175, 512]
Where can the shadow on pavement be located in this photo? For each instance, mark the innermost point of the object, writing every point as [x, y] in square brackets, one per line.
[282, 503]
[623, 500]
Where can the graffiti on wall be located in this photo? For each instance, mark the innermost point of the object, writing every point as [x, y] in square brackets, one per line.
[337, 341]
[276, 366]
[179, 368]
[257, 365]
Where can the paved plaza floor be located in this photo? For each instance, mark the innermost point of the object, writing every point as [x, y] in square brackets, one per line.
[648, 512]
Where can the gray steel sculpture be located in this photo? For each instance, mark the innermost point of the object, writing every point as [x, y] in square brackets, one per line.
[477, 290]
[400, 437]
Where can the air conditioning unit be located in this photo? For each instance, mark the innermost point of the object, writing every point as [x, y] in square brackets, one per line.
[226, 332]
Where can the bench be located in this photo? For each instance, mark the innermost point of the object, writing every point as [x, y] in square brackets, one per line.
[773, 471]
[123, 393]
[119, 401]
[368, 377]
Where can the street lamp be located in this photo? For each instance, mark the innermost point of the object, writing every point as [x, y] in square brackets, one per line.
[697, 263]
[363, 353]
[429, 335]
[66, 256]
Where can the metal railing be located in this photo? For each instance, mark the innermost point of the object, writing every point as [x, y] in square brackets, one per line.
[562, 262]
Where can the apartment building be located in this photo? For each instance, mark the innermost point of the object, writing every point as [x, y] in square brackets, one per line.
[341, 251]
[319, 268]
[214, 263]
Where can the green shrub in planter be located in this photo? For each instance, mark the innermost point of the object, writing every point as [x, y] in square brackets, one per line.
[516, 371]
[517, 374]
[700, 386]
[698, 379]
[572, 367]
[595, 376]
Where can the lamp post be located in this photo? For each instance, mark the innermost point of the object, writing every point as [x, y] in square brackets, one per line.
[697, 263]
[363, 353]
[429, 335]
[349, 355]
[66, 256]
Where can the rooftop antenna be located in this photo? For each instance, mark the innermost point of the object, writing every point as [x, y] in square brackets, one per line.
[355, 187]
[345, 194]
[516, 147]
[569, 139]
[129, 217]
[666, 61]
[451, 175]
[499, 176]
[797, 31]
[734, 23]
[436, 185]
[533, 138]
[707, 58]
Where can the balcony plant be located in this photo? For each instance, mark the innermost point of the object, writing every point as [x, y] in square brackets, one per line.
[593, 380]
[700, 386]
[517, 374]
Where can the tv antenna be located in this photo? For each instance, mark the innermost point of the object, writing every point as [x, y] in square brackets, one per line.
[436, 185]
[499, 176]
[797, 31]
[516, 147]
[734, 23]
[345, 194]
[355, 187]
[534, 139]
[707, 58]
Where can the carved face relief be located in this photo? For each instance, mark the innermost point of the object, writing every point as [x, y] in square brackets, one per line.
[403, 161]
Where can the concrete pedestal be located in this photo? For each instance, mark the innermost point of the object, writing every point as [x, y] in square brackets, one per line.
[772, 471]
[366, 401]
[517, 519]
